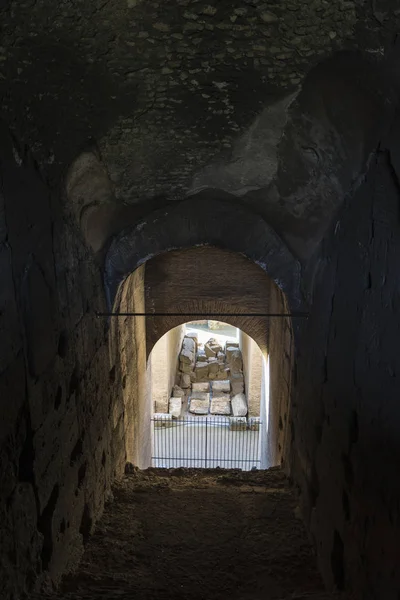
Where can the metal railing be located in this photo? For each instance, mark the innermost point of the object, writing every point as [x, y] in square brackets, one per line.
[206, 442]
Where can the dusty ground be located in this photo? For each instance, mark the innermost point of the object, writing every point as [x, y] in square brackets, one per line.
[198, 535]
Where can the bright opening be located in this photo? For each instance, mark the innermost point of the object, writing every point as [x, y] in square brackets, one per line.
[209, 388]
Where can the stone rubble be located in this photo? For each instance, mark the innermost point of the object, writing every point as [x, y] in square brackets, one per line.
[175, 407]
[201, 387]
[221, 405]
[178, 392]
[212, 377]
[199, 407]
[239, 405]
[237, 384]
[221, 386]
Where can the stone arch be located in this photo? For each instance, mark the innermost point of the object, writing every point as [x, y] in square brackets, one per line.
[225, 281]
[203, 220]
[209, 280]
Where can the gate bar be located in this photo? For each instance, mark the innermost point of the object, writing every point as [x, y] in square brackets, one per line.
[182, 314]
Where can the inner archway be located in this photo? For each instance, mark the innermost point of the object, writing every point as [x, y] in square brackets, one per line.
[200, 281]
[209, 385]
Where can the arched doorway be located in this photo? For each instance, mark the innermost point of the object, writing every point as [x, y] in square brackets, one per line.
[208, 384]
[200, 281]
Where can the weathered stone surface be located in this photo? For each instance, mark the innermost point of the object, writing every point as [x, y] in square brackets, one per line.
[204, 396]
[223, 374]
[187, 356]
[199, 407]
[221, 357]
[239, 405]
[221, 387]
[229, 351]
[185, 381]
[200, 387]
[237, 383]
[185, 367]
[238, 423]
[189, 344]
[175, 407]
[194, 336]
[235, 362]
[178, 392]
[220, 405]
[201, 357]
[201, 370]
[209, 351]
[231, 345]
[213, 366]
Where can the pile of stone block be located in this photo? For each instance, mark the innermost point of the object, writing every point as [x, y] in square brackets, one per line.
[213, 378]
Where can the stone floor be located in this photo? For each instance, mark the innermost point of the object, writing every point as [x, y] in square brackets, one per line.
[198, 535]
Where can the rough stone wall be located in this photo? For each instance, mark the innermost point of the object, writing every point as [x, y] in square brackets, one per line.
[346, 406]
[153, 80]
[59, 449]
[164, 365]
[252, 370]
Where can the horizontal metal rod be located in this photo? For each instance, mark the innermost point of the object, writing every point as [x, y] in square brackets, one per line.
[177, 314]
[235, 460]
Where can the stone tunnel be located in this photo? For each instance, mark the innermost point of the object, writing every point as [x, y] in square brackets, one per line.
[183, 157]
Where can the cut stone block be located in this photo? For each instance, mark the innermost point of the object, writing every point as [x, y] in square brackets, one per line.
[193, 336]
[185, 381]
[236, 361]
[220, 405]
[223, 374]
[177, 392]
[213, 366]
[201, 357]
[200, 396]
[254, 423]
[185, 367]
[237, 383]
[239, 405]
[210, 353]
[175, 407]
[232, 344]
[216, 347]
[189, 344]
[201, 370]
[200, 387]
[221, 386]
[199, 407]
[229, 351]
[238, 423]
[162, 420]
[186, 356]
